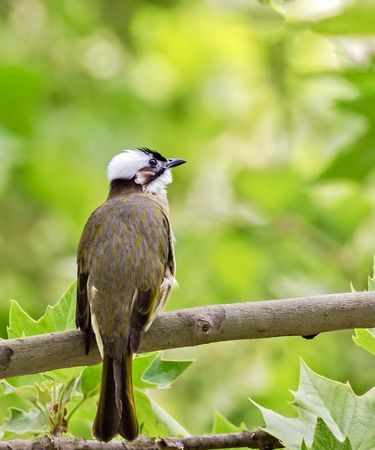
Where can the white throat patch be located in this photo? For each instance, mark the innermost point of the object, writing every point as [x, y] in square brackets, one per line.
[158, 186]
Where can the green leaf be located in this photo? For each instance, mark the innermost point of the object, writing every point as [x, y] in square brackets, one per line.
[90, 380]
[43, 394]
[345, 414]
[67, 392]
[146, 416]
[164, 372]
[59, 317]
[222, 425]
[154, 420]
[172, 427]
[25, 391]
[140, 365]
[21, 422]
[365, 338]
[325, 439]
[81, 428]
[358, 20]
[149, 371]
[6, 387]
[84, 410]
[371, 281]
[63, 375]
[353, 162]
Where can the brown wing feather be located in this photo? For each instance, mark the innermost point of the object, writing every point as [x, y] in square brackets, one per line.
[83, 316]
[146, 304]
[83, 313]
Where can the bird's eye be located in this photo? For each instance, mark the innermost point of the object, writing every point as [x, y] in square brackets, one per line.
[153, 162]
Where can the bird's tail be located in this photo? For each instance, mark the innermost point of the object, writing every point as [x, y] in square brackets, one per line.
[116, 409]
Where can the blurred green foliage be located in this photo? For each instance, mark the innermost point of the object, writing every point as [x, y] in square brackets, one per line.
[272, 103]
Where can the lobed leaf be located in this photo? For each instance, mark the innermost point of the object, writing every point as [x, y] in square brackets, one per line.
[21, 422]
[365, 338]
[345, 414]
[59, 317]
[222, 425]
[25, 391]
[163, 373]
[325, 439]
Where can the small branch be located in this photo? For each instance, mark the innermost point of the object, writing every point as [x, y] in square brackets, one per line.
[303, 316]
[257, 439]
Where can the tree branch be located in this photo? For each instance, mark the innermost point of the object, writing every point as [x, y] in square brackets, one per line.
[257, 439]
[301, 316]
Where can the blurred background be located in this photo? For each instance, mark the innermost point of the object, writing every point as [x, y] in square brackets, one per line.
[271, 103]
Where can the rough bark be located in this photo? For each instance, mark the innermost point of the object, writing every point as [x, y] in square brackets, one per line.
[257, 439]
[303, 316]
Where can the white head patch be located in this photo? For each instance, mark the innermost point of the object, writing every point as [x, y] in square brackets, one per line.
[126, 166]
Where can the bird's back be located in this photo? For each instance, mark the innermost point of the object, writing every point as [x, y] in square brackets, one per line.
[124, 249]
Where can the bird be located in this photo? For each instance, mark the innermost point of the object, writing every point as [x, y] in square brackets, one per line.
[125, 273]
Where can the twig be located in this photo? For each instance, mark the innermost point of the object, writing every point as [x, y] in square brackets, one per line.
[302, 316]
[257, 439]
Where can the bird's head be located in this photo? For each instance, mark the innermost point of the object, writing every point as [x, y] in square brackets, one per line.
[145, 167]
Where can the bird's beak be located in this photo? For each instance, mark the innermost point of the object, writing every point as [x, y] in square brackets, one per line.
[174, 162]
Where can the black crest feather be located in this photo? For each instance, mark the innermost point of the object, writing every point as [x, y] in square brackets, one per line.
[152, 153]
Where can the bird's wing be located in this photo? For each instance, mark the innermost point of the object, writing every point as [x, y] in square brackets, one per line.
[83, 316]
[148, 303]
[83, 313]
[169, 280]
[91, 239]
